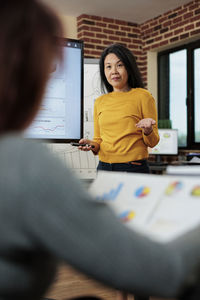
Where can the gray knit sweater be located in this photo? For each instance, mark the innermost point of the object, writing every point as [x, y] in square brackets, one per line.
[46, 217]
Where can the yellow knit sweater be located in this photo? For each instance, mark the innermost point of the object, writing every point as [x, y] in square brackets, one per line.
[115, 116]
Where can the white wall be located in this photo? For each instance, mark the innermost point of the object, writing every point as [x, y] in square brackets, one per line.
[70, 26]
[152, 75]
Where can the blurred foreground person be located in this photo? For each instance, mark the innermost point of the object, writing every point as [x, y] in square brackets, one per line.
[45, 216]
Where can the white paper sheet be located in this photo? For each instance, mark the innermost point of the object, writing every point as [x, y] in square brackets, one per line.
[162, 207]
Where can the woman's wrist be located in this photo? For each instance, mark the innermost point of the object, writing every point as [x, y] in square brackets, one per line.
[148, 132]
[95, 148]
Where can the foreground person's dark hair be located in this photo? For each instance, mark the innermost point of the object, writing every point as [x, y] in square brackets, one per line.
[25, 59]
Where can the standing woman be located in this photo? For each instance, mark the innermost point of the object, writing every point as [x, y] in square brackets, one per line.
[125, 118]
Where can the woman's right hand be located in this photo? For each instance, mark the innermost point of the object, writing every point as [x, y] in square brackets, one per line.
[90, 145]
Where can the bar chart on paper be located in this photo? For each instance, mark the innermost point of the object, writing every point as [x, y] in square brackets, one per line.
[83, 164]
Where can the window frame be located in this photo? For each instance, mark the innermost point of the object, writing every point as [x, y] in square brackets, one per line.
[189, 47]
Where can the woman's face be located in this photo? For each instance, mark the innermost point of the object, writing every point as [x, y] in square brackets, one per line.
[116, 73]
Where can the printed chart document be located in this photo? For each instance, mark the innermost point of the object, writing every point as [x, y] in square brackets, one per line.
[162, 207]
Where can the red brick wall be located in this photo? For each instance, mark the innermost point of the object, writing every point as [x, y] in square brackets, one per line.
[176, 26]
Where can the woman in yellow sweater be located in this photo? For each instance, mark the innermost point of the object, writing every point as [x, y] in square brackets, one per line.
[125, 118]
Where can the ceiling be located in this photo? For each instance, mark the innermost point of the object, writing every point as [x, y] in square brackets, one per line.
[136, 11]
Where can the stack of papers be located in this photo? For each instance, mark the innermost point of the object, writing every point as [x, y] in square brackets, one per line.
[183, 170]
[162, 207]
[195, 159]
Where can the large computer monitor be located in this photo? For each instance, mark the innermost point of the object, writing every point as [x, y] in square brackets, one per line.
[60, 118]
[168, 144]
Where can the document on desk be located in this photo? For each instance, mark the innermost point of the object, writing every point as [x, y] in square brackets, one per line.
[192, 170]
[162, 207]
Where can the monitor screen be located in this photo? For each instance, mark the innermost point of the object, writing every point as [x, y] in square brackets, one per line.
[60, 118]
[168, 144]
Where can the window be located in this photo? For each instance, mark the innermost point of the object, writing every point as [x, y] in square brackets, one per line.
[179, 92]
[197, 94]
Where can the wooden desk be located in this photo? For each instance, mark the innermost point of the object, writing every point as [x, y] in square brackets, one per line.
[71, 283]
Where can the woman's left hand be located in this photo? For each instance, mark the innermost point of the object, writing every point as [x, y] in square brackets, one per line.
[146, 125]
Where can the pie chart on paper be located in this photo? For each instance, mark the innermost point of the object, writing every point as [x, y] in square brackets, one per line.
[142, 191]
[126, 216]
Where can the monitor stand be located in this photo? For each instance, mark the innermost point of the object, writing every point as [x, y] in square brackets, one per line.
[158, 159]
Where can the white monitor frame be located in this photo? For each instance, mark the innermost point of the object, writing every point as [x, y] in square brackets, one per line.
[168, 144]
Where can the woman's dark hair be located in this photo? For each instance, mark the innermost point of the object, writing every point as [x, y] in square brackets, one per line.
[28, 46]
[129, 61]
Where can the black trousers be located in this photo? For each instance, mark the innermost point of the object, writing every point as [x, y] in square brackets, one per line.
[138, 166]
